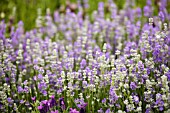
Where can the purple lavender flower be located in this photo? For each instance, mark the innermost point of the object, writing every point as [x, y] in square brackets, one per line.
[148, 110]
[1, 105]
[22, 101]
[52, 101]
[62, 103]
[147, 11]
[133, 85]
[161, 15]
[84, 84]
[112, 96]
[139, 12]
[56, 111]
[41, 109]
[9, 100]
[136, 99]
[108, 110]
[73, 110]
[161, 108]
[100, 110]
[104, 100]
[160, 104]
[45, 105]
[20, 89]
[40, 77]
[140, 66]
[27, 103]
[33, 98]
[83, 64]
[83, 108]
[149, 2]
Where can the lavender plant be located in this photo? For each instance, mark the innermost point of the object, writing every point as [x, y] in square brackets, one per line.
[76, 63]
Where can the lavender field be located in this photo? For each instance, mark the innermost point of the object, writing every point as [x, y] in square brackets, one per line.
[110, 61]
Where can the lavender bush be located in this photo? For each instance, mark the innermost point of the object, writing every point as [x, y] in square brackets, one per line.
[76, 63]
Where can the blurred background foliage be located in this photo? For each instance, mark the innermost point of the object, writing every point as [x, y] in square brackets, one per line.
[26, 10]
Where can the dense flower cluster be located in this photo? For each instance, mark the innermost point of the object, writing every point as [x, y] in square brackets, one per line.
[78, 63]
